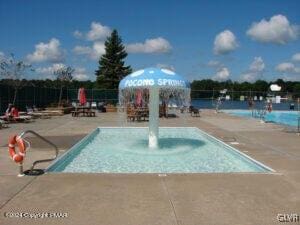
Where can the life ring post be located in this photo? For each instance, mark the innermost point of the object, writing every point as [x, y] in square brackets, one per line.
[20, 143]
[21, 171]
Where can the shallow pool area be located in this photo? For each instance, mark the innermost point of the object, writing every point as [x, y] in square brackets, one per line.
[289, 118]
[181, 150]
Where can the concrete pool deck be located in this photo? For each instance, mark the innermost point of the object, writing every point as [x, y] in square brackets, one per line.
[233, 198]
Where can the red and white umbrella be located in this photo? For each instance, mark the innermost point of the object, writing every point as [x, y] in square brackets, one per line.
[139, 97]
[81, 96]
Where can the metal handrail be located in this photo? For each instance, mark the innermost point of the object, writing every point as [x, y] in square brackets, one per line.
[45, 140]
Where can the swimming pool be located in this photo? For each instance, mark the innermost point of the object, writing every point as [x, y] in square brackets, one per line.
[181, 150]
[289, 118]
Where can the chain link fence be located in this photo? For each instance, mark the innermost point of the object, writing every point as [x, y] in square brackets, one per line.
[44, 97]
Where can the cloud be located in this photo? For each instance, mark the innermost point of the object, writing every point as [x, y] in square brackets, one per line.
[256, 69]
[156, 45]
[47, 52]
[288, 68]
[80, 73]
[290, 71]
[98, 49]
[225, 42]
[77, 34]
[257, 65]
[285, 67]
[98, 32]
[249, 77]
[48, 72]
[291, 77]
[215, 64]
[222, 74]
[296, 57]
[82, 50]
[93, 52]
[165, 66]
[2, 55]
[277, 30]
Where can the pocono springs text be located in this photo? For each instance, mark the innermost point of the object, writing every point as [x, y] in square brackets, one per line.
[35, 215]
[151, 82]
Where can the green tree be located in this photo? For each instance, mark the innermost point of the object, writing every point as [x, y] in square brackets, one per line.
[64, 76]
[13, 71]
[281, 83]
[111, 65]
[297, 88]
[261, 85]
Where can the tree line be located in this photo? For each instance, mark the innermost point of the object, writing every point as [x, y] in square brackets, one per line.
[206, 84]
[259, 85]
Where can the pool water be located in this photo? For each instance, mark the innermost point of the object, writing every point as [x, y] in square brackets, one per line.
[125, 150]
[289, 118]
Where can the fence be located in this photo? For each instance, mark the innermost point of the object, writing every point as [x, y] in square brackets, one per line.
[43, 97]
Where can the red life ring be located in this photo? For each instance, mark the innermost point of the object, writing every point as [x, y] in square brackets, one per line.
[17, 157]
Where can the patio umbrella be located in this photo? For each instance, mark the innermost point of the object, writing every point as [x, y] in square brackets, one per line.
[81, 96]
[138, 100]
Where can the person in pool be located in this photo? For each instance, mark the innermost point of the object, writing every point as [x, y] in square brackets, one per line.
[251, 103]
[269, 106]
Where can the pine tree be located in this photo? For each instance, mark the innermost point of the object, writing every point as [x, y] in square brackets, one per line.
[111, 65]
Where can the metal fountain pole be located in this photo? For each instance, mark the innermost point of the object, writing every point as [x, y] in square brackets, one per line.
[153, 117]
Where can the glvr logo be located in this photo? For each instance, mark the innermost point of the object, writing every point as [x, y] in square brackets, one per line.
[293, 217]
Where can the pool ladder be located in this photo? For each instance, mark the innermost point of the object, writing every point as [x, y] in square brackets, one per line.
[21, 172]
[258, 113]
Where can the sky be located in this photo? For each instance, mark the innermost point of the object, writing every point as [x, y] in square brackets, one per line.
[220, 40]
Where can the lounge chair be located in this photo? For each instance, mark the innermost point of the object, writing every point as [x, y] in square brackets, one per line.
[194, 111]
[101, 107]
[3, 124]
[94, 105]
[16, 119]
[5, 118]
[25, 119]
[39, 115]
[34, 113]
